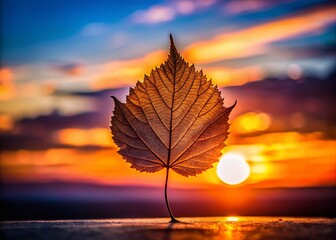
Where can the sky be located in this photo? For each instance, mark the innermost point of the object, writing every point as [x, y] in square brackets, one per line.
[61, 61]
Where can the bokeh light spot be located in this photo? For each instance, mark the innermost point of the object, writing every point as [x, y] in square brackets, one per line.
[251, 122]
[294, 71]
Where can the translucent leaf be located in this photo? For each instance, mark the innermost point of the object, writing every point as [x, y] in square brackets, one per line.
[174, 119]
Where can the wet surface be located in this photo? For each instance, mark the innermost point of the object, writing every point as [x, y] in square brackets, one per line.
[158, 228]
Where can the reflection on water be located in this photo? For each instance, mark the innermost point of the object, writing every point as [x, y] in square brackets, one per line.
[232, 219]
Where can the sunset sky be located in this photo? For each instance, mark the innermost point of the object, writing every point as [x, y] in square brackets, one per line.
[62, 60]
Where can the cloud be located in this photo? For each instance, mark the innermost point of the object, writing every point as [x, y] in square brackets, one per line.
[185, 7]
[84, 137]
[155, 14]
[120, 73]
[132, 70]
[70, 68]
[255, 40]
[243, 43]
[6, 122]
[245, 6]
[234, 77]
[7, 88]
[271, 155]
[39, 104]
[167, 12]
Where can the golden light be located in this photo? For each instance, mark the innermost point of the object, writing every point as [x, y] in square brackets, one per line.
[7, 88]
[83, 137]
[6, 75]
[276, 160]
[6, 122]
[232, 219]
[131, 70]
[233, 168]
[234, 77]
[251, 122]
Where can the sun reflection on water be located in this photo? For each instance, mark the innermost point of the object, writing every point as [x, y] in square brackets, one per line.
[232, 219]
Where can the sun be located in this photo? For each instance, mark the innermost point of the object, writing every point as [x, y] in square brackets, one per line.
[233, 168]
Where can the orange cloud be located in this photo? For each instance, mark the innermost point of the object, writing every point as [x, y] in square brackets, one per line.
[6, 76]
[121, 73]
[287, 159]
[7, 88]
[254, 40]
[84, 137]
[6, 122]
[98, 166]
[234, 77]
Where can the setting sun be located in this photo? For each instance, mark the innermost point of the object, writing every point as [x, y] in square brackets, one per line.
[233, 168]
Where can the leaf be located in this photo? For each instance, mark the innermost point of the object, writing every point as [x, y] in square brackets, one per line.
[173, 119]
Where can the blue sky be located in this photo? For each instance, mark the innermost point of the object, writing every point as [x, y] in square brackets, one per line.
[36, 31]
[50, 46]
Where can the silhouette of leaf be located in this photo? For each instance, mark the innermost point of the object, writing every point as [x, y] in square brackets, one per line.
[173, 119]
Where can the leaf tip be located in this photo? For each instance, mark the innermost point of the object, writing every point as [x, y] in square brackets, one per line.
[235, 103]
[172, 45]
[229, 109]
[115, 99]
[171, 39]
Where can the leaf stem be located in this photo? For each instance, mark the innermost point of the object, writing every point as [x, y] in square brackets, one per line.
[173, 219]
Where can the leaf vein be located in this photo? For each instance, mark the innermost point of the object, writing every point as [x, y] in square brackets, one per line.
[141, 138]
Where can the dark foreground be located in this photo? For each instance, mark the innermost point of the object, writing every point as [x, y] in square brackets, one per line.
[191, 228]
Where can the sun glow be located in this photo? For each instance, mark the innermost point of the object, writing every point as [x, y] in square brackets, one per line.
[251, 122]
[84, 137]
[233, 169]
